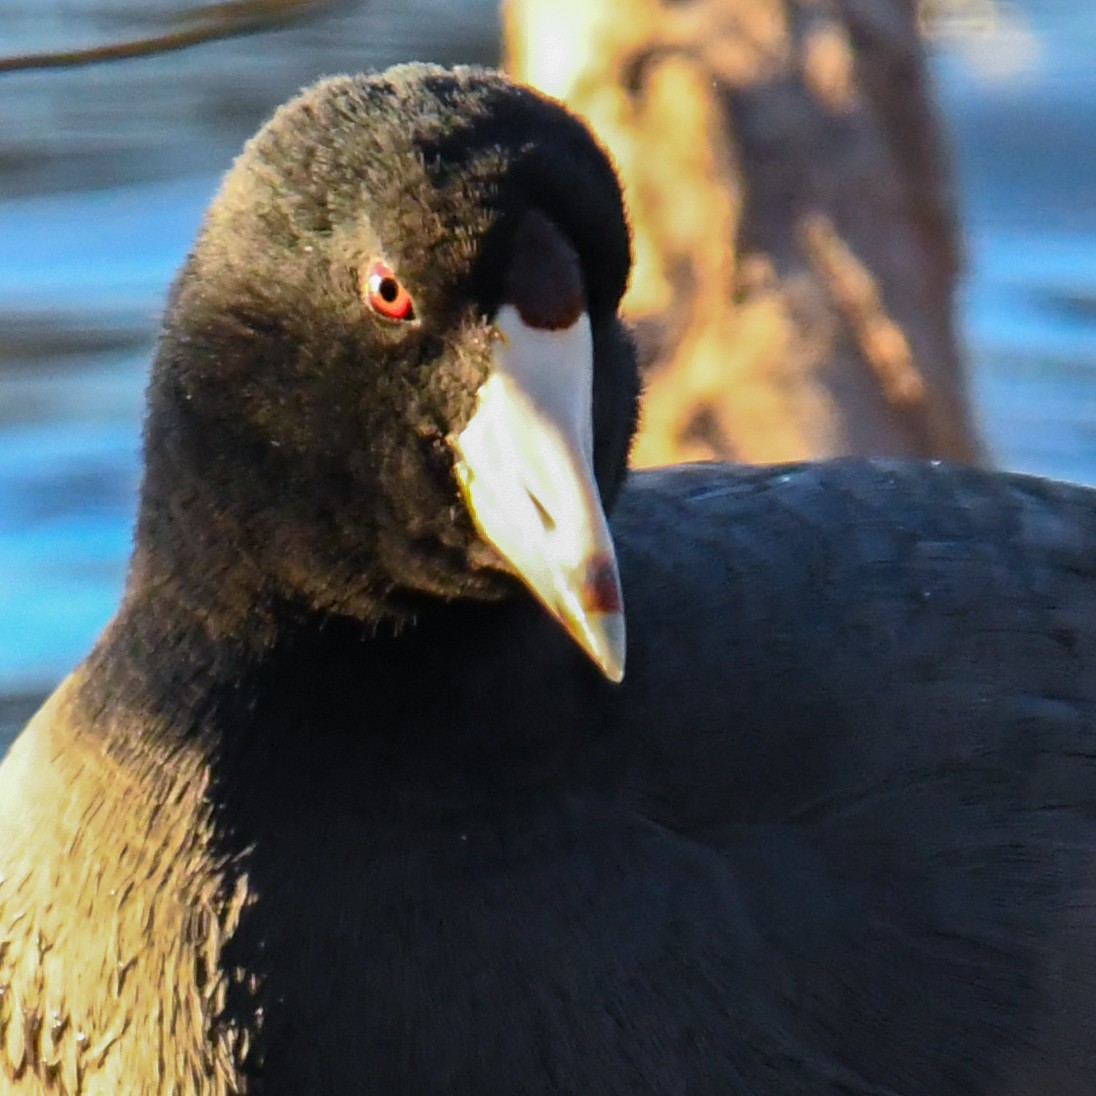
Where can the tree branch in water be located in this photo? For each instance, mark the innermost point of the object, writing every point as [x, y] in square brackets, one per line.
[206, 23]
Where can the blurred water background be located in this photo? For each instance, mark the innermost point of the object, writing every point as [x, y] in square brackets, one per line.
[105, 170]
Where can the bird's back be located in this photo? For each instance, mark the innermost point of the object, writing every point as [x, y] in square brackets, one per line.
[871, 690]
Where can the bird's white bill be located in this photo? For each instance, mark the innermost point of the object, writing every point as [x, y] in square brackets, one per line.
[525, 465]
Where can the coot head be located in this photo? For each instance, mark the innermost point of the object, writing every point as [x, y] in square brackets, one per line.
[393, 371]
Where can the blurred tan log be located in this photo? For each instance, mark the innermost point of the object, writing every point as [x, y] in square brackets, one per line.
[795, 239]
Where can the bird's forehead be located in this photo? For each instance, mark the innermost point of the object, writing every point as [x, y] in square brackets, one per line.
[431, 175]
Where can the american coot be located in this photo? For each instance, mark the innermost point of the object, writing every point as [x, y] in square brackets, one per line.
[335, 806]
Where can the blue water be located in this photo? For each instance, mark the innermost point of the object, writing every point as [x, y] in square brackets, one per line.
[94, 265]
[103, 184]
[1020, 107]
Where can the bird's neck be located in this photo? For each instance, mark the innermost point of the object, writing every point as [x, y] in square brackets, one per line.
[428, 702]
[208, 650]
[192, 572]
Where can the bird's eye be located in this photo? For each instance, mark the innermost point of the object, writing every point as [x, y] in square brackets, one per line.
[385, 294]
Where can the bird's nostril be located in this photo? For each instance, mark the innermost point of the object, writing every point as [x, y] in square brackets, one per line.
[546, 519]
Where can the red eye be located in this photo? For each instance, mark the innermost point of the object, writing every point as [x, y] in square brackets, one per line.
[384, 293]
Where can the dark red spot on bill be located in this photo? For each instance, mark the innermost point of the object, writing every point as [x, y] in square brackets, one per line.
[600, 591]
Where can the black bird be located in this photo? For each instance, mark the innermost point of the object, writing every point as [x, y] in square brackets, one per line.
[335, 806]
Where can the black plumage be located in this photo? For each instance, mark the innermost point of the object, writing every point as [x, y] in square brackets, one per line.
[335, 806]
